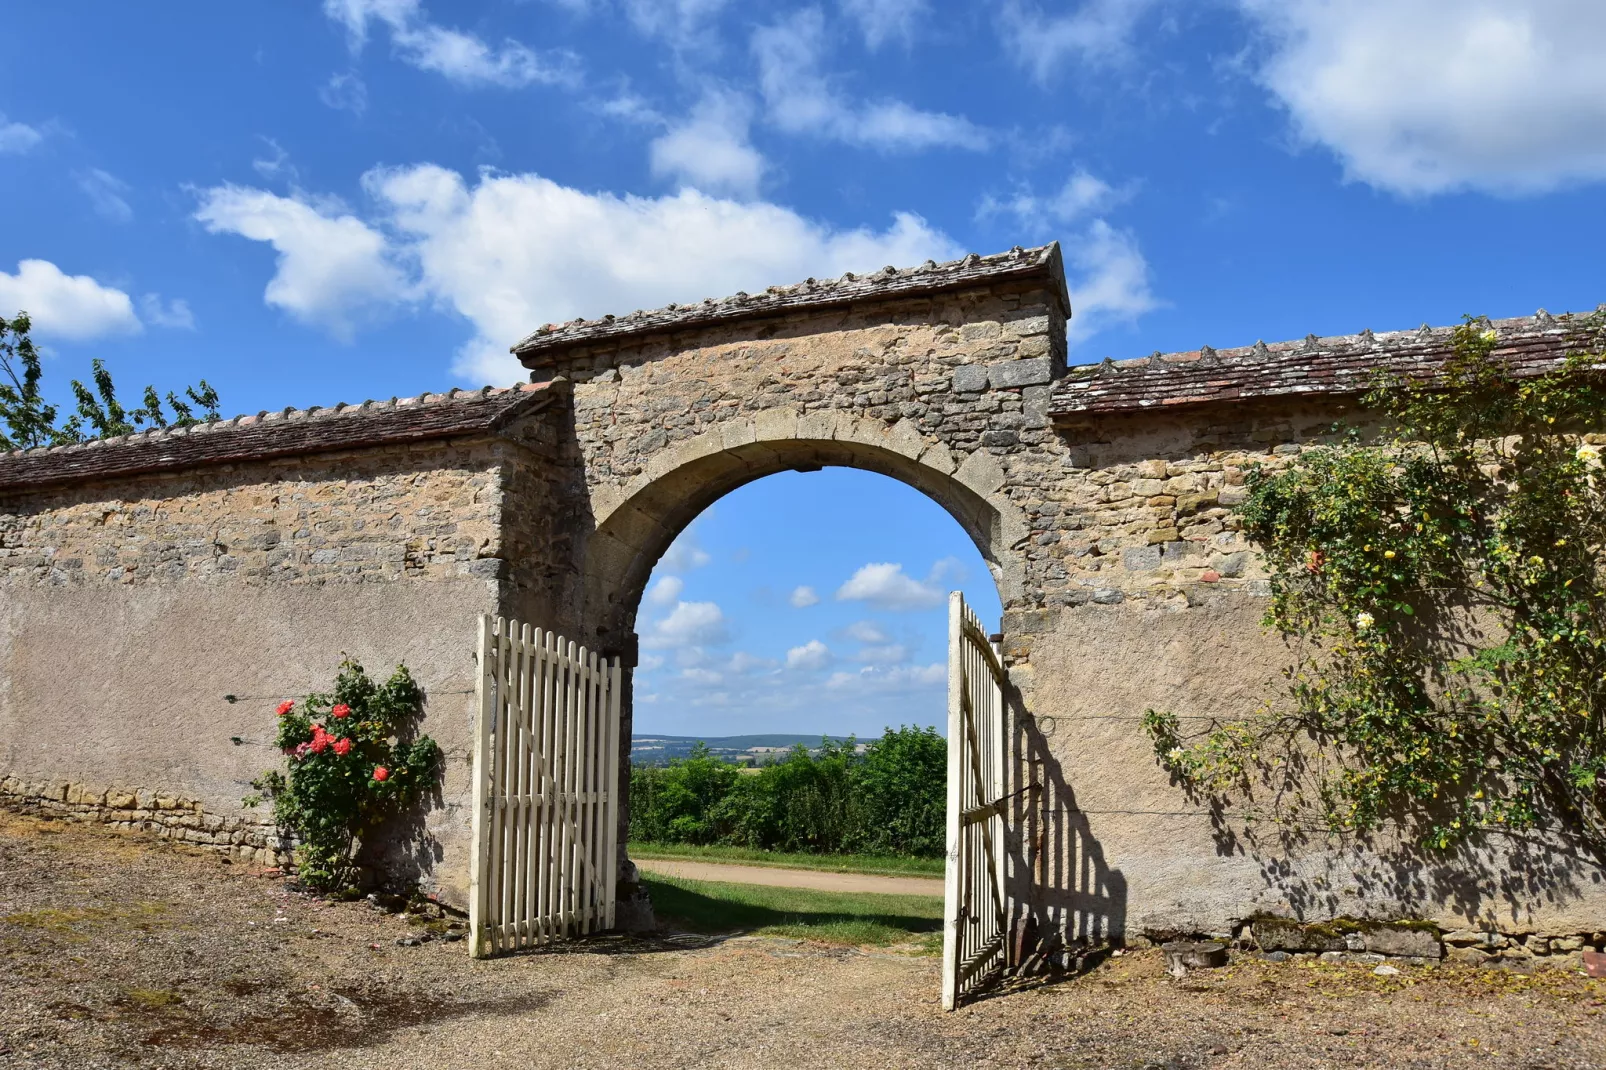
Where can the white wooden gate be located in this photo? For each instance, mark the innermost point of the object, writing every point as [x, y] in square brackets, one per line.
[546, 798]
[974, 944]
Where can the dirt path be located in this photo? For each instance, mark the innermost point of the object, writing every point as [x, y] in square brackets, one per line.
[818, 880]
[117, 952]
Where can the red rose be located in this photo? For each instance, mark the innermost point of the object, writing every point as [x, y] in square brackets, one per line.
[342, 710]
[285, 707]
[381, 774]
[320, 743]
[342, 747]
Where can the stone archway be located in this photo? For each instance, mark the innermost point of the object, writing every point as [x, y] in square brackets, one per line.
[637, 522]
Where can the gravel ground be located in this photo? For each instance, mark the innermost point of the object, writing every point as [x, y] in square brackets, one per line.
[116, 951]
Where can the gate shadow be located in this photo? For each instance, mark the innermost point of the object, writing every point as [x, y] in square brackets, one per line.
[1066, 895]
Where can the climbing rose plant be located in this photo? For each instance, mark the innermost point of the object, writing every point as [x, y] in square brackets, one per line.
[351, 764]
[1444, 583]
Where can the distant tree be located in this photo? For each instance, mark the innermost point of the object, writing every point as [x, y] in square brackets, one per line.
[29, 421]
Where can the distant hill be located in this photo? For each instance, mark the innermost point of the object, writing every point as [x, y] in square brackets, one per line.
[659, 750]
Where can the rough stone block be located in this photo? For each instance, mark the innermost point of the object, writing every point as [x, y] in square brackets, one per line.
[1286, 934]
[970, 379]
[1401, 941]
[1032, 371]
[1233, 565]
[1141, 558]
[1482, 939]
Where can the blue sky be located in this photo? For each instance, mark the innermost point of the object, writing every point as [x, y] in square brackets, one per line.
[317, 202]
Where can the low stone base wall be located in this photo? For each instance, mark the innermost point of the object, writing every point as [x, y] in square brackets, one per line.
[165, 814]
[1349, 939]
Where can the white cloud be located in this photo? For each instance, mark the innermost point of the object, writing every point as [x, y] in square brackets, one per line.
[709, 150]
[17, 137]
[345, 92]
[886, 586]
[811, 655]
[743, 663]
[333, 269]
[684, 554]
[884, 20]
[515, 251]
[701, 676]
[665, 591]
[896, 678]
[105, 192]
[1098, 33]
[803, 597]
[75, 308]
[1426, 96]
[276, 166]
[175, 314]
[1083, 195]
[683, 23]
[512, 252]
[890, 654]
[689, 624]
[1108, 278]
[460, 57]
[866, 631]
[801, 99]
[1106, 272]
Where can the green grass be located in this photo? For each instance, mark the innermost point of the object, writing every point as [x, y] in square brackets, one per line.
[890, 866]
[829, 917]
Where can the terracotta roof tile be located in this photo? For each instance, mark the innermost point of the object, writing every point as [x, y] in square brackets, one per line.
[275, 434]
[1342, 364]
[931, 277]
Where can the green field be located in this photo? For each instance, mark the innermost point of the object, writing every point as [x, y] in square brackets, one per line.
[832, 863]
[830, 917]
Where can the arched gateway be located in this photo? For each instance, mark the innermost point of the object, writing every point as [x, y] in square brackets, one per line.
[190, 578]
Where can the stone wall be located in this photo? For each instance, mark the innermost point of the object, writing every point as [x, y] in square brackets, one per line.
[162, 595]
[149, 624]
[244, 837]
[1126, 582]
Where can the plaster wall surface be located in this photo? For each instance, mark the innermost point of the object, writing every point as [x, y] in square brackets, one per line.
[131, 610]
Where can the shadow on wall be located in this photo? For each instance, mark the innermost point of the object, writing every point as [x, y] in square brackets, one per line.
[1317, 873]
[1058, 871]
[1500, 884]
[402, 855]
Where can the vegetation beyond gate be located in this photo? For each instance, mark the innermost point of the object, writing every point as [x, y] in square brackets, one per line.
[888, 800]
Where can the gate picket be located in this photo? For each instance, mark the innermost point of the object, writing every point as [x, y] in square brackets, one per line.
[975, 905]
[545, 789]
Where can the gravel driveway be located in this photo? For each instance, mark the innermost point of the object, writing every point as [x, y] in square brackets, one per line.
[779, 877]
[116, 951]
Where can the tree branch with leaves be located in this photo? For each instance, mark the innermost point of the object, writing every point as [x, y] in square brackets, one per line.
[1444, 580]
[28, 421]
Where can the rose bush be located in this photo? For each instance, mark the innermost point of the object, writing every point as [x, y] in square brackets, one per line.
[352, 763]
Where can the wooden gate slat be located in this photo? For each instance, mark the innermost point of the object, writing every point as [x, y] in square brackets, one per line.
[546, 769]
[975, 892]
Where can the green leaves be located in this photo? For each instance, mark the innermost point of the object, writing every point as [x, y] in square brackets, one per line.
[29, 422]
[1445, 578]
[889, 799]
[330, 795]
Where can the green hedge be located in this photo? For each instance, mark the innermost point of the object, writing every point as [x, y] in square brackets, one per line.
[889, 800]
